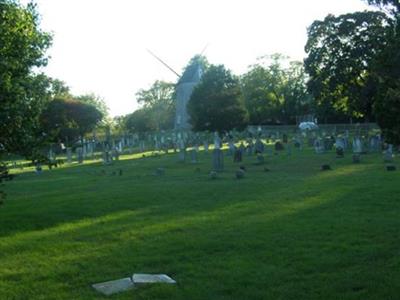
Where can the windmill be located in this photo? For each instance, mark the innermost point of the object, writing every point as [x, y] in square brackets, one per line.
[184, 88]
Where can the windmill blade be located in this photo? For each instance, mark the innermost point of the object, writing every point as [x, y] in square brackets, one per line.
[161, 61]
[204, 49]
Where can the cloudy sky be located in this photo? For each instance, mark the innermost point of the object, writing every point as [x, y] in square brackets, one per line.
[100, 45]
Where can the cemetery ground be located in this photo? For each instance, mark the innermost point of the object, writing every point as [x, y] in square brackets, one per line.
[294, 232]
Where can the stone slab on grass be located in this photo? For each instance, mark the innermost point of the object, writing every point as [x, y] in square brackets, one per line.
[114, 286]
[152, 278]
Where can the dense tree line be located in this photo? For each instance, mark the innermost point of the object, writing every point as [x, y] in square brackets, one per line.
[351, 72]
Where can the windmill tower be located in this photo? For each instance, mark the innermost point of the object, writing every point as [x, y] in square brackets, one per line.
[184, 88]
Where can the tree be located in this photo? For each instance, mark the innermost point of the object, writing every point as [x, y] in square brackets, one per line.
[22, 92]
[275, 94]
[68, 120]
[391, 6]
[216, 103]
[386, 72]
[139, 121]
[387, 109]
[95, 101]
[159, 104]
[340, 55]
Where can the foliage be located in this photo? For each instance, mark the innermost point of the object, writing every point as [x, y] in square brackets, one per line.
[217, 103]
[95, 101]
[387, 109]
[392, 6]
[23, 93]
[67, 120]
[273, 93]
[158, 103]
[139, 121]
[340, 54]
[387, 72]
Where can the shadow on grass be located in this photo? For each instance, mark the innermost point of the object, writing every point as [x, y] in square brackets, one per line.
[320, 238]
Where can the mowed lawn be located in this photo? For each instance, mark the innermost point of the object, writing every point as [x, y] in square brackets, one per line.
[294, 232]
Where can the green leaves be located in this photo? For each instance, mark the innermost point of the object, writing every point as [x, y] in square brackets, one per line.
[22, 93]
[216, 103]
[275, 93]
[340, 54]
[158, 102]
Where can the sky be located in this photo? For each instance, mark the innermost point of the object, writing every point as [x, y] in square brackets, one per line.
[100, 46]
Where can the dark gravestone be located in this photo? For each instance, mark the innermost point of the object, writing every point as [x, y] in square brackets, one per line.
[240, 174]
[237, 157]
[250, 147]
[279, 146]
[356, 158]
[193, 155]
[285, 138]
[326, 167]
[391, 168]
[328, 143]
[339, 152]
[259, 146]
[213, 175]
[260, 159]
[218, 160]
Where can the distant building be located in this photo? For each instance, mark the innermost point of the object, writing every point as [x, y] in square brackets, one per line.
[184, 89]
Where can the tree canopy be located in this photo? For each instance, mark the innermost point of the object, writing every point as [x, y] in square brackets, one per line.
[341, 51]
[68, 120]
[216, 103]
[275, 93]
[23, 93]
[159, 104]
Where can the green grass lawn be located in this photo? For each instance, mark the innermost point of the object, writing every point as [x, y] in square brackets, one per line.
[292, 233]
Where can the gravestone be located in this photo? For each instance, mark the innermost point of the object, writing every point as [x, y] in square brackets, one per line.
[357, 145]
[284, 138]
[288, 149]
[237, 155]
[218, 160]
[279, 146]
[79, 154]
[213, 175]
[182, 150]
[107, 158]
[69, 155]
[259, 146]
[240, 174]
[328, 142]
[356, 158]
[206, 147]
[193, 155]
[319, 146]
[115, 154]
[388, 154]
[139, 279]
[250, 147]
[115, 286]
[142, 146]
[232, 148]
[340, 146]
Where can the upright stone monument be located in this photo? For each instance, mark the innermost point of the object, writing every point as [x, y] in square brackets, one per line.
[69, 155]
[218, 156]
